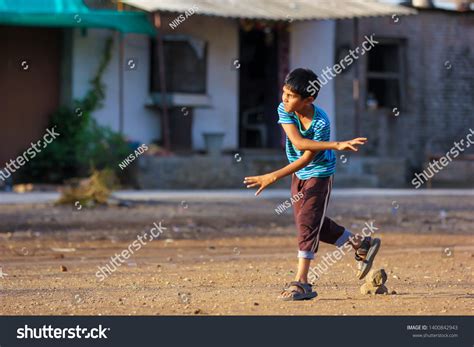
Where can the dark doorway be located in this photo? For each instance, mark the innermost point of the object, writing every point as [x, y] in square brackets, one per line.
[259, 89]
[29, 85]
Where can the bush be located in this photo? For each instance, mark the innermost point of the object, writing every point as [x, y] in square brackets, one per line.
[82, 145]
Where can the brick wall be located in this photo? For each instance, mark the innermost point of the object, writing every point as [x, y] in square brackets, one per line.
[439, 103]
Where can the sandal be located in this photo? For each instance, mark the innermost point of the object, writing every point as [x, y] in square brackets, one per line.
[307, 293]
[365, 255]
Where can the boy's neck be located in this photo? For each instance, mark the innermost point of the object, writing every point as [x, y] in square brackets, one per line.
[306, 112]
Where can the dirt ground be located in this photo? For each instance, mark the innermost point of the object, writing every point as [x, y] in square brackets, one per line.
[230, 258]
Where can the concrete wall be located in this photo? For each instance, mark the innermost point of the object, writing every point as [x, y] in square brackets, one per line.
[205, 172]
[438, 108]
[222, 37]
[312, 46]
[140, 124]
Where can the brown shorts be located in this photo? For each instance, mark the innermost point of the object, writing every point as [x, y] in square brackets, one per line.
[310, 215]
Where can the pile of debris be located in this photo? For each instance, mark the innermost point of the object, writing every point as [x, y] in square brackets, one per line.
[90, 191]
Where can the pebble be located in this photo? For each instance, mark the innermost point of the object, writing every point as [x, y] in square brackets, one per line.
[63, 268]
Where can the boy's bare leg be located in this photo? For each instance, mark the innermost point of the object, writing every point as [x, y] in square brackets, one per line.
[301, 275]
[303, 268]
[304, 265]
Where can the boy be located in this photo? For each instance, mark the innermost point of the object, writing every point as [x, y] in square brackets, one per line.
[312, 166]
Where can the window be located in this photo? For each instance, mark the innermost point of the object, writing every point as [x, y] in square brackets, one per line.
[385, 75]
[185, 65]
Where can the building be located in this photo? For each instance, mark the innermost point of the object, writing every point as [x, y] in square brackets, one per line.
[221, 65]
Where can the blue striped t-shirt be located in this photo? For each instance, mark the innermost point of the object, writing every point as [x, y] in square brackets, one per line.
[324, 163]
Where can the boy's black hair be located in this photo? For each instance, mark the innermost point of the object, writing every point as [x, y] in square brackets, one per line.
[303, 82]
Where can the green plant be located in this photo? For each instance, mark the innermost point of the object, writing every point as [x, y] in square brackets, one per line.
[83, 145]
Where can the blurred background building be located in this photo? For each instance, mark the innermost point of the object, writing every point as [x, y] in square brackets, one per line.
[202, 80]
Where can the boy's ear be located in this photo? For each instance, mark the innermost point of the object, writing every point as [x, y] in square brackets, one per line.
[309, 99]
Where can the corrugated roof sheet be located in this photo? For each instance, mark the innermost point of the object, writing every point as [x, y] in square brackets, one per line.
[276, 9]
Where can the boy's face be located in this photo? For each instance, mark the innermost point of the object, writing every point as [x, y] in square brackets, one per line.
[294, 102]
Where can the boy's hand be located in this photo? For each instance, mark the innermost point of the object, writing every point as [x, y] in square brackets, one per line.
[351, 144]
[263, 181]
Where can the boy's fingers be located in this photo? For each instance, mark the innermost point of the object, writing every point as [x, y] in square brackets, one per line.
[357, 142]
[258, 191]
[252, 185]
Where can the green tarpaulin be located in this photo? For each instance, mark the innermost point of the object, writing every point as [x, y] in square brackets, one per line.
[71, 13]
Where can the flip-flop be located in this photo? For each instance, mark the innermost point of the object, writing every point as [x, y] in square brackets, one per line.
[365, 255]
[307, 293]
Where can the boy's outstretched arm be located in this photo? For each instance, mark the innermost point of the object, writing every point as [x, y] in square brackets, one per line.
[265, 180]
[304, 144]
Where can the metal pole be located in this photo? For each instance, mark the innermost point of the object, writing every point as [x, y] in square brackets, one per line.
[121, 67]
[356, 81]
[161, 66]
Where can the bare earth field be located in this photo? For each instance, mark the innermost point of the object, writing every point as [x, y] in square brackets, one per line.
[231, 258]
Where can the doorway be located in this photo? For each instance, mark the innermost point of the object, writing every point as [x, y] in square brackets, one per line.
[29, 85]
[259, 86]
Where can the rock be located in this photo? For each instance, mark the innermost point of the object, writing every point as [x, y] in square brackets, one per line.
[63, 268]
[393, 292]
[367, 288]
[198, 311]
[376, 277]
